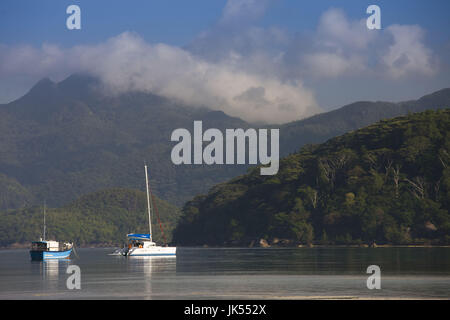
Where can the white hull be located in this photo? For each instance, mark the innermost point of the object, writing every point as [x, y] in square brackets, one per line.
[152, 251]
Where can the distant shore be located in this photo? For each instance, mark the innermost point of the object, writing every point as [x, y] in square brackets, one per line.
[27, 245]
[111, 245]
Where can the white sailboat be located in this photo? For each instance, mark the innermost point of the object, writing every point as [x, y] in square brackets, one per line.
[141, 244]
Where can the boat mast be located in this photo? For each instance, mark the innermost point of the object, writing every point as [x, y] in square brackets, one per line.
[148, 204]
[44, 221]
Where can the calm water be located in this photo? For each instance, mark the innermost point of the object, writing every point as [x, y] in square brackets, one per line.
[203, 273]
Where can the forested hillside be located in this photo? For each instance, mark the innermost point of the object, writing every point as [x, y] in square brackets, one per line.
[63, 140]
[104, 217]
[388, 183]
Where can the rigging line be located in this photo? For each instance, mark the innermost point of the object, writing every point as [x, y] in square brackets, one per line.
[159, 220]
[74, 250]
[157, 214]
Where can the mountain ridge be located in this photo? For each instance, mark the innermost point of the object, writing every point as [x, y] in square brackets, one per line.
[62, 140]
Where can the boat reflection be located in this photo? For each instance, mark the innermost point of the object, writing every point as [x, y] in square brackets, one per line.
[52, 274]
[151, 265]
[50, 269]
[150, 272]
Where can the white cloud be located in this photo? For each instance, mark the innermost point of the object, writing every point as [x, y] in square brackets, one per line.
[339, 47]
[408, 54]
[344, 48]
[251, 72]
[29, 60]
[336, 31]
[332, 65]
[243, 11]
[128, 63]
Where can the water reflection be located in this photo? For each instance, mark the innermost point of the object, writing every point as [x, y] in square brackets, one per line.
[202, 273]
[52, 274]
[50, 269]
[151, 266]
[314, 261]
[148, 272]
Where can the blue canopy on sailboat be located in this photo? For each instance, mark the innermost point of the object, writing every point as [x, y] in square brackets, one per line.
[139, 236]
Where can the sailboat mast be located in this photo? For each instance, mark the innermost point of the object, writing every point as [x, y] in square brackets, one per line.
[148, 204]
[44, 221]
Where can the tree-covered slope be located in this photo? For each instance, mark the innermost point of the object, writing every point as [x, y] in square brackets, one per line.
[63, 140]
[103, 217]
[389, 183]
[321, 127]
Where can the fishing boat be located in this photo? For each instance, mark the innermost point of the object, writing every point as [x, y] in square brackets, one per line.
[141, 244]
[49, 249]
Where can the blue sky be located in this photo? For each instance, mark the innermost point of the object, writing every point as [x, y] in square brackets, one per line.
[174, 22]
[178, 22]
[272, 49]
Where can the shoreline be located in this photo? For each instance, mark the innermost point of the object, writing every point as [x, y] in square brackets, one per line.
[112, 246]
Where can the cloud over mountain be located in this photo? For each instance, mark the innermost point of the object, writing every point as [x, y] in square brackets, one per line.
[261, 74]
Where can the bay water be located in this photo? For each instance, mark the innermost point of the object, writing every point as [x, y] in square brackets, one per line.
[232, 273]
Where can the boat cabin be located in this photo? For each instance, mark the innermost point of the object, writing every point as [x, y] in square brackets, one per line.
[44, 245]
[139, 240]
[140, 244]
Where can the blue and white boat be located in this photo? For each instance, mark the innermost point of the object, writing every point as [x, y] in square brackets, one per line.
[48, 249]
[141, 244]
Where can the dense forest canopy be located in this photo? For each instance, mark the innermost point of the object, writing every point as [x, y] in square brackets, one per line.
[388, 183]
[63, 140]
[103, 218]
